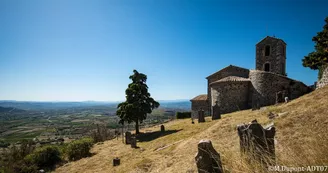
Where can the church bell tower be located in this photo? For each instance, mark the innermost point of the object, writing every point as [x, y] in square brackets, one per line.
[271, 55]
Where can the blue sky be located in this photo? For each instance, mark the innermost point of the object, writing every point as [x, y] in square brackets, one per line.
[69, 50]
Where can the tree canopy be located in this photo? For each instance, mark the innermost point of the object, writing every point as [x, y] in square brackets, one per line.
[319, 58]
[138, 102]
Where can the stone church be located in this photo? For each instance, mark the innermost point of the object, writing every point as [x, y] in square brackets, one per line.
[235, 88]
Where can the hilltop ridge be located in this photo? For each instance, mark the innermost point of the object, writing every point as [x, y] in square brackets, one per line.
[300, 141]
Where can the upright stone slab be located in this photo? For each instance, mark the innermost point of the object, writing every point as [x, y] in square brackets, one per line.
[201, 117]
[257, 142]
[256, 103]
[207, 159]
[162, 128]
[280, 96]
[127, 137]
[216, 112]
[133, 142]
[116, 161]
[269, 134]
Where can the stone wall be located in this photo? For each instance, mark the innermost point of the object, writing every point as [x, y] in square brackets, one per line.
[277, 57]
[324, 79]
[197, 105]
[228, 71]
[265, 85]
[231, 95]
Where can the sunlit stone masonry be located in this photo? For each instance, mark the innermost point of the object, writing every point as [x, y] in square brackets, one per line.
[235, 88]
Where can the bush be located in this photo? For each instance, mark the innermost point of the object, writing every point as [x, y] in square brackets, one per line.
[101, 134]
[4, 144]
[44, 157]
[12, 159]
[181, 115]
[16, 153]
[79, 149]
[18, 166]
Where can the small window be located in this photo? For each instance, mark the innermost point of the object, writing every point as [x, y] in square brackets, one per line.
[266, 67]
[267, 50]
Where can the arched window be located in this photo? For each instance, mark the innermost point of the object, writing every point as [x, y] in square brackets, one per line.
[267, 50]
[267, 67]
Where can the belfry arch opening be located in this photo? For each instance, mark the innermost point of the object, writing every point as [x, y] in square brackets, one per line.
[267, 50]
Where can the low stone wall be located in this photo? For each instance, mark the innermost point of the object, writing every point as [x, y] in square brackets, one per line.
[324, 79]
[231, 95]
[267, 84]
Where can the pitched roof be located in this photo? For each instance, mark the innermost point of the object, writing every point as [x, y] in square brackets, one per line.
[231, 79]
[227, 67]
[200, 97]
[268, 37]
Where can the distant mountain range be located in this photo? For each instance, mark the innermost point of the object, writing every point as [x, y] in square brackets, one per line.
[176, 104]
[37, 105]
[34, 105]
[10, 110]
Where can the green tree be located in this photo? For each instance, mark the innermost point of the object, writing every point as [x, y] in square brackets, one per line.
[319, 58]
[138, 102]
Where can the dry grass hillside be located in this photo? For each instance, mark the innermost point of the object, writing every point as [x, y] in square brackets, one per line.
[301, 140]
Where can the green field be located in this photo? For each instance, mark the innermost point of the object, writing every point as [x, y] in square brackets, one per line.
[65, 123]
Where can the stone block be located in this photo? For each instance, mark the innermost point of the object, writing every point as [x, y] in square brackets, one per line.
[201, 116]
[162, 128]
[257, 142]
[133, 142]
[207, 158]
[116, 161]
[216, 112]
[128, 137]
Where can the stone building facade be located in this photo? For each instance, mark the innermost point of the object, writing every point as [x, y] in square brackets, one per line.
[199, 103]
[271, 55]
[230, 93]
[235, 88]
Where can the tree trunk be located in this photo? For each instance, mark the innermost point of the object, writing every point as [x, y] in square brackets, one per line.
[122, 133]
[137, 127]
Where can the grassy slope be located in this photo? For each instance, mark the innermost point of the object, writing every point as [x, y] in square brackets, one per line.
[301, 140]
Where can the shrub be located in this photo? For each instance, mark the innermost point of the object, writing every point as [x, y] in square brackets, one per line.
[181, 115]
[18, 166]
[12, 159]
[79, 148]
[4, 144]
[44, 157]
[24, 168]
[16, 153]
[101, 134]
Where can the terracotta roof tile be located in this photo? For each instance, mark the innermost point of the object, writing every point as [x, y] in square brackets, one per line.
[268, 37]
[200, 97]
[230, 66]
[231, 79]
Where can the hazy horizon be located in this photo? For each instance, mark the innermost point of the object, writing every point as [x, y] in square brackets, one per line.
[104, 101]
[86, 50]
